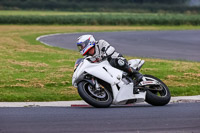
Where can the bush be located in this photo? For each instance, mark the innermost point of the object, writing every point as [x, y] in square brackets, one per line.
[103, 19]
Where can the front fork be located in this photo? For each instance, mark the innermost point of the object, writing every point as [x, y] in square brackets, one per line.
[96, 84]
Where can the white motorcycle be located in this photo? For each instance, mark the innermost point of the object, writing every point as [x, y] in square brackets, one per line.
[100, 85]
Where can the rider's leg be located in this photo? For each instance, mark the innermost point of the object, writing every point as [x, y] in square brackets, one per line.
[122, 63]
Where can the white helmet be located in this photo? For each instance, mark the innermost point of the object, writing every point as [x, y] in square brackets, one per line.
[85, 43]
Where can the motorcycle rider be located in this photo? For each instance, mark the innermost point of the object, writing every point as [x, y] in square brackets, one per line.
[100, 50]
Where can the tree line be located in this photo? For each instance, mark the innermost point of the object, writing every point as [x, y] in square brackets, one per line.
[100, 5]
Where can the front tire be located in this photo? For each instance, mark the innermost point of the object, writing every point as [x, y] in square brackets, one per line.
[157, 95]
[97, 98]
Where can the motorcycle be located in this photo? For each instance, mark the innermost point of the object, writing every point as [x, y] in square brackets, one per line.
[100, 85]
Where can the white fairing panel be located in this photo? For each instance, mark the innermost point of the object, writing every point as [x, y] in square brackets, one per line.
[136, 63]
[126, 93]
[106, 73]
[101, 70]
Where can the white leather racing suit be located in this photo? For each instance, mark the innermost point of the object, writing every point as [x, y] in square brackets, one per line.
[103, 50]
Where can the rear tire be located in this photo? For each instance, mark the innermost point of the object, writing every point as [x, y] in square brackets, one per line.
[98, 99]
[158, 98]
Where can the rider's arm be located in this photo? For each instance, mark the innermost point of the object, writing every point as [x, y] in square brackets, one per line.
[107, 49]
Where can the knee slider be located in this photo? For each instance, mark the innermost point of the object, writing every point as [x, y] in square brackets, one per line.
[121, 62]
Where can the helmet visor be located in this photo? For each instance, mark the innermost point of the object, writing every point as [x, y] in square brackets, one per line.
[82, 45]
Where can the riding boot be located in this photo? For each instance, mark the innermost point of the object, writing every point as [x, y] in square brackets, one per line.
[138, 76]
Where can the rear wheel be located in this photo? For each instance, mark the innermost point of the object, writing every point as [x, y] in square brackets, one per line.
[157, 95]
[100, 98]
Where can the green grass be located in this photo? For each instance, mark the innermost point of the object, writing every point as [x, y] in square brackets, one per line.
[31, 71]
[96, 18]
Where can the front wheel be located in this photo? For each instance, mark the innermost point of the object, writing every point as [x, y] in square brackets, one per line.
[157, 95]
[100, 98]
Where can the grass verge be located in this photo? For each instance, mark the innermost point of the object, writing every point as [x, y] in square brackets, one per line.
[31, 71]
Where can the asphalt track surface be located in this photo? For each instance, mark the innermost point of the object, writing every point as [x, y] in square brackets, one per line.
[179, 118]
[172, 118]
[178, 45]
